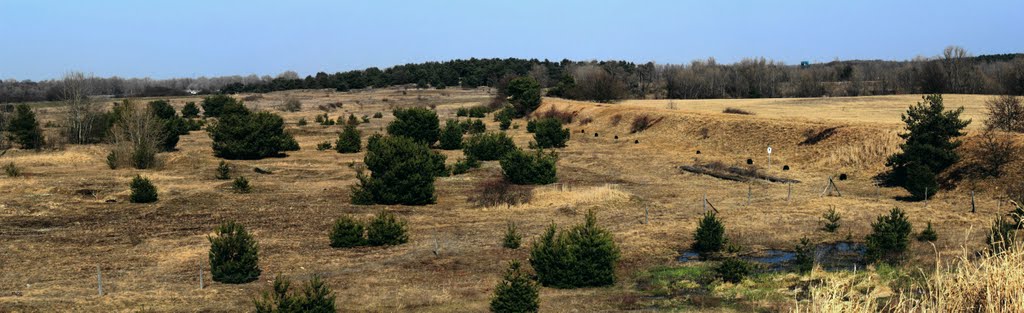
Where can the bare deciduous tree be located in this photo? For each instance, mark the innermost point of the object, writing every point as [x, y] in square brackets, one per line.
[82, 114]
[136, 136]
[1005, 113]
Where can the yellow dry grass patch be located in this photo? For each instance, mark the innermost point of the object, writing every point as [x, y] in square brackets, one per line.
[561, 195]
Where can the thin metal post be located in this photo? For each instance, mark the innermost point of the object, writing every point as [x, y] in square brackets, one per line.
[99, 280]
[200, 275]
[972, 201]
[704, 203]
[789, 191]
[926, 196]
[646, 214]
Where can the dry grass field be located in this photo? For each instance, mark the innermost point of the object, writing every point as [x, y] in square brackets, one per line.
[69, 214]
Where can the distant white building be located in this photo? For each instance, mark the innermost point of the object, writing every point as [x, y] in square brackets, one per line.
[192, 91]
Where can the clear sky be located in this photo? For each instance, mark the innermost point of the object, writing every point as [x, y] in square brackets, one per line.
[42, 39]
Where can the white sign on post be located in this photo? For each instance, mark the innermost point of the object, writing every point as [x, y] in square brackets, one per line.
[769, 157]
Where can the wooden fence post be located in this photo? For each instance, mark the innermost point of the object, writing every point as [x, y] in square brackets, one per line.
[99, 280]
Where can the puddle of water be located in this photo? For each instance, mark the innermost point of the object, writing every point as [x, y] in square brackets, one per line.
[836, 256]
[688, 256]
[840, 256]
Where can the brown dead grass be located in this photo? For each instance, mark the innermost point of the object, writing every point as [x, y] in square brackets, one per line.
[52, 237]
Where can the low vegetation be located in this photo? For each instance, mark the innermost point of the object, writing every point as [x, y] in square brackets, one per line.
[241, 134]
[315, 296]
[530, 168]
[516, 293]
[402, 172]
[584, 256]
[418, 124]
[488, 146]
[143, 190]
[549, 133]
[349, 140]
[889, 238]
[710, 235]
[233, 255]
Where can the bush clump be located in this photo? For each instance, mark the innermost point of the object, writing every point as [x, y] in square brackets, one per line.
[348, 232]
[241, 185]
[324, 146]
[24, 128]
[710, 235]
[524, 95]
[732, 270]
[889, 238]
[488, 146]
[223, 170]
[584, 256]
[233, 255]
[143, 190]
[12, 170]
[529, 168]
[451, 135]
[512, 237]
[315, 297]
[350, 140]
[464, 165]
[548, 133]
[804, 256]
[386, 230]
[214, 105]
[832, 220]
[1001, 235]
[190, 110]
[928, 234]
[249, 136]
[402, 172]
[516, 293]
[419, 124]
[292, 105]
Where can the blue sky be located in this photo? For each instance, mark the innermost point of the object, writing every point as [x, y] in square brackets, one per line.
[161, 39]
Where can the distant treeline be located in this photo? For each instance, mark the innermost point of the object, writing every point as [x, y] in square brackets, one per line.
[954, 71]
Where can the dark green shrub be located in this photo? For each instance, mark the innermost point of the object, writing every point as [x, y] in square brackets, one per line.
[420, 124]
[223, 170]
[402, 172]
[112, 159]
[832, 220]
[378, 115]
[302, 122]
[143, 190]
[366, 119]
[516, 293]
[919, 180]
[316, 297]
[347, 232]
[504, 121]
[732, 270]
[512, 237]
[324, 120]
[928, 234]
[190, 110]
[804, 256]
[250, 136]
[451, 136]
[241, 185]
[478, 111]
[548, 133]
[464, 165]
[889, 238]
[213, 106]
[461, 112]
[585, 256]
[524, 95]
[710, 235]
[530, 168]
[929, 148]
[324, 146]
[531, 126]
[233, 255]
[488, 146]
[350, 140]
[474, 127]
[386, 230]
[24, 128]
[352, 120]
[193, 124]
[173, 125]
